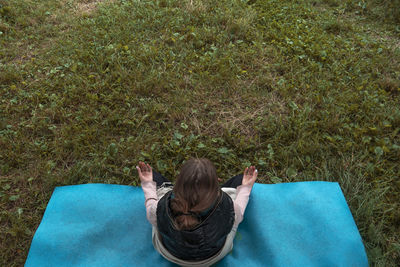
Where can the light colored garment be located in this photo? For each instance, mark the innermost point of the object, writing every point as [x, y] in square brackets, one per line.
[240, 197]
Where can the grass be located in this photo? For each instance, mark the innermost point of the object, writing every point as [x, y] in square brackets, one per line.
[306, 90]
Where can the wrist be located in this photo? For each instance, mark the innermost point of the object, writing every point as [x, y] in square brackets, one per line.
[147, 182]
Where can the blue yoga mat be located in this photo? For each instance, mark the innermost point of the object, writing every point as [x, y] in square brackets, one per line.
[291, 224]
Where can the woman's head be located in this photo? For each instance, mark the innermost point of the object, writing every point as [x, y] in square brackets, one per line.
[195, 190]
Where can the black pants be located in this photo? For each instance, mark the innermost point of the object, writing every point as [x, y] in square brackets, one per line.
[233, 182]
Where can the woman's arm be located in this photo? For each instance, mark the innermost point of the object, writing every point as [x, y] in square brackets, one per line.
[240, 203]
[151, 201]
[149, 188]
[243, 193]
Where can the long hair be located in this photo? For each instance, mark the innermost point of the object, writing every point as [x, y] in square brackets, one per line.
[195, 190]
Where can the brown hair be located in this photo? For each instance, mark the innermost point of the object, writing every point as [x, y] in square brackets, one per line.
[195, 190]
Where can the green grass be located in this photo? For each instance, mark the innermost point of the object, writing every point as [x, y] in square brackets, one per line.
[305, 90]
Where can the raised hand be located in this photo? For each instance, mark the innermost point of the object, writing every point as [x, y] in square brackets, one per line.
[250, 176]
[145, 172]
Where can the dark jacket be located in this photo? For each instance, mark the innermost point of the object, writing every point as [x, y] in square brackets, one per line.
[205, 239]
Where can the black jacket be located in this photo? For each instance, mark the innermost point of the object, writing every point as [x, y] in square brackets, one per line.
[205, 239]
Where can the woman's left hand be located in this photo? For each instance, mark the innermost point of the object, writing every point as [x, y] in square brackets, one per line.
[250, 176]
[145, 172]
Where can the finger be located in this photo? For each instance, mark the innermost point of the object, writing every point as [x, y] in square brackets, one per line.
[141, 165]
[148, 167]
[255, 174]
[139, 171]
[246, 171]
[250, 171]
[144, 167]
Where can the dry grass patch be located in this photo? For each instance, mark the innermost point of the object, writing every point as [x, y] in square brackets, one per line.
[87, 7]
[195, 6]
[216, 115]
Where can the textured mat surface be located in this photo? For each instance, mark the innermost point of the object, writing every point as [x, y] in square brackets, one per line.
[290, 224]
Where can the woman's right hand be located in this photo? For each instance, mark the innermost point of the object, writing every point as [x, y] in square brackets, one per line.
[250, 176]
[145, 172]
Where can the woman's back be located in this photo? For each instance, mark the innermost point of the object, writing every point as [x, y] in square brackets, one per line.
[203, 240]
